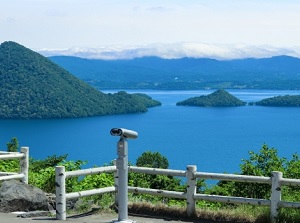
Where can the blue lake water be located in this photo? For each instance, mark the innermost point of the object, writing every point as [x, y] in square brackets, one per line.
[214, 139]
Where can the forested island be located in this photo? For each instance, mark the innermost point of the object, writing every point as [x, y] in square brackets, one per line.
[280, 101]
[33, 87]
[219, 98]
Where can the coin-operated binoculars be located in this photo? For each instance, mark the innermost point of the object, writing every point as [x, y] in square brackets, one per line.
[122, 168]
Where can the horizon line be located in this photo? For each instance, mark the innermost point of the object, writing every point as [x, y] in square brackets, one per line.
[175, 51]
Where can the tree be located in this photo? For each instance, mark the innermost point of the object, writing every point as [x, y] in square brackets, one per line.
[259, 164]
[263, 163]
[154, 160]
[13, 145]
[10, 165]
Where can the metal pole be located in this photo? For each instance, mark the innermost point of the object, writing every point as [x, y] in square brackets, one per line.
[122, 169]
[116, 181]
[122, 166]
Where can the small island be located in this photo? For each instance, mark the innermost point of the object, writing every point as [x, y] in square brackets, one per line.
[219, 98]
[280, 101]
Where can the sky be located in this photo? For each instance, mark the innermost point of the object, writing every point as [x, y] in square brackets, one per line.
[111, 29]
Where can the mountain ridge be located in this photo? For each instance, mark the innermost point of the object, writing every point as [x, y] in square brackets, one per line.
[278, 72]
[32, 86]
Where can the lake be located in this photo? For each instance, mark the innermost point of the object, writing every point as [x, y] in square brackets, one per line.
[214, 139]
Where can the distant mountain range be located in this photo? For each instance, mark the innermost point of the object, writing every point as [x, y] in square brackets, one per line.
[279, 72]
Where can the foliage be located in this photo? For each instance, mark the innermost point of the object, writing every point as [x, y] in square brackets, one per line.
[123, 102]
[152, 159]
[34, 87]
[286, 101]
[50, 161]
[13, 145]
[219, 98]
[262, 164]
[42, 172]
[11, 165]
[44, 177]
[288, 215]
[259, 164]
[146, 100]
[96, 181]
[293, 167]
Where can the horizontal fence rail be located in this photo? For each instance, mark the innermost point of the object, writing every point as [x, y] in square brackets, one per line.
[60, 182]
[147, 170]
[233, 177]
[11, 156]
[23, 156]
[77, 173]
[290, 182]
[232, 200]
[90, 192]
[163, 193]
[191, 195]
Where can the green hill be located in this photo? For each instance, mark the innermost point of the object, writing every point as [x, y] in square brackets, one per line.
[280, 101]
[219, 98]
[33, 87]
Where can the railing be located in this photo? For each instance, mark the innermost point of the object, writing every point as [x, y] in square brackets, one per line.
[60, 181]
[23, 156]
[191, 195]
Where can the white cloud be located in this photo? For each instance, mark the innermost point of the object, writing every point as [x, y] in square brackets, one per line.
[176, 50]
[63, 24]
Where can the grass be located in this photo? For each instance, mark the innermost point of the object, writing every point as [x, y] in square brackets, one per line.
[217, 212]
[244, 214]
[234, 213]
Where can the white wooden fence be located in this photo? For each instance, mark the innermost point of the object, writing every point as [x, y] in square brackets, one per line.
[23, 156]
[61, 196]
[191, 195]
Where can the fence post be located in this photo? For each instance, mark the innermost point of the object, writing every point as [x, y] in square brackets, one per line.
[60, 177]
[275, 195]
[24, 163]
[116, 182]
[191, 190]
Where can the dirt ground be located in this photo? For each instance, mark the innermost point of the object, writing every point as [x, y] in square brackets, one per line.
[99, 218]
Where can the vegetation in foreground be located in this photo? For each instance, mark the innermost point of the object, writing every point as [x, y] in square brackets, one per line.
[42, 175]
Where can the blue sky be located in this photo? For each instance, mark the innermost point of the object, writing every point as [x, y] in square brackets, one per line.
[173, 28]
